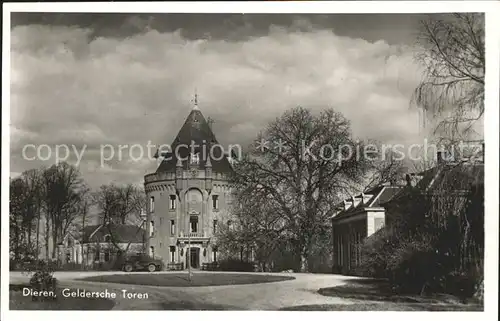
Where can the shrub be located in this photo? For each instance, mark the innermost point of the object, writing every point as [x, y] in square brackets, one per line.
[43, 279]
[232, 265]
[374, 252]
[461, 284]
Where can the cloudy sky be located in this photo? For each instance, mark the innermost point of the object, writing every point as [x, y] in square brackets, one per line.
[93, 79]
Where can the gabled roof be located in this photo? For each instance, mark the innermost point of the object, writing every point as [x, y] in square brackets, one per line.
[456, 176]
[371, 199]
[122, 233]
[196, 129]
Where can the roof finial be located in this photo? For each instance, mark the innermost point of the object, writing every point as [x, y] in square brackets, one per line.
[195, 99]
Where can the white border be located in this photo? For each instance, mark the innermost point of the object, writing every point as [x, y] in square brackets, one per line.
[491, 8]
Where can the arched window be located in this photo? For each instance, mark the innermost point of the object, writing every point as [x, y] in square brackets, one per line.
[172, 202]
[152, 204]
[215, 202]
[194, 199]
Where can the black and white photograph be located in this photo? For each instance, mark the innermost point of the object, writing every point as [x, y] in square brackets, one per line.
[250, 159]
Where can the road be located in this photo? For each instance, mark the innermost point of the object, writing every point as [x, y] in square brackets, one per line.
[262, 296]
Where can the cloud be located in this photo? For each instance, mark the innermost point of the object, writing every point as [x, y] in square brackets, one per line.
[70, 87]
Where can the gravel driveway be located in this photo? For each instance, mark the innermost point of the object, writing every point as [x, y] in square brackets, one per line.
[262, 296]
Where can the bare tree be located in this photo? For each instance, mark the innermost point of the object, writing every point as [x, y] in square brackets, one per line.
[16, 212]
[63, 194]
[388, 169]
[83, 209]
[307, 161]
[453, 58]
[254, 227]
[120, 205]
[25, 203]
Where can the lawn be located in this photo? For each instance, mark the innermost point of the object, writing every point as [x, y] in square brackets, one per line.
[19, 302]
[380, 297]
[181, 279]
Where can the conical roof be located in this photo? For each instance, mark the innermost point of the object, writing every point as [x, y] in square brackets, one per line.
[196, 135]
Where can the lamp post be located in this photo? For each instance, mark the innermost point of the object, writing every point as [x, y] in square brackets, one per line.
[192, 172]
[189, 255]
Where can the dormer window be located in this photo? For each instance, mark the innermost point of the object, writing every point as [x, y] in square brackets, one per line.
[195, 158]
[107, 238]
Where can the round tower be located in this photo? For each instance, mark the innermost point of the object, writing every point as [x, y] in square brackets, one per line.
[188, 195]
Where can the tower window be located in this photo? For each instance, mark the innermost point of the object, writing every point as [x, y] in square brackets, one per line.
[193, 224]
[195, 158]
[172, 227]
[215, 202]
[172, 254]
[172, 202]
[151, 228]
[152, 251]
[229, 224]
[215, 226]
[151, 204]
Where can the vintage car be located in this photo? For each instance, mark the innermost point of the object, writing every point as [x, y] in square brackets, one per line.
[142, 262]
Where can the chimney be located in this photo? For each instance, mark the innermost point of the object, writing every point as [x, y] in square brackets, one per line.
[439, 156]
[413, 179]
[408, 180]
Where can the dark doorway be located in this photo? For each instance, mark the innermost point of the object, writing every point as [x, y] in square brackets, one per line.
[194, 257]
